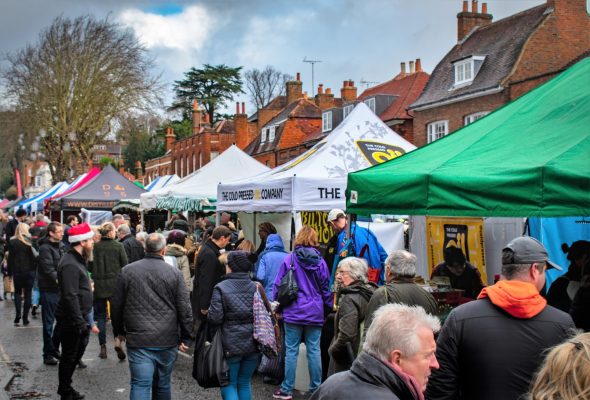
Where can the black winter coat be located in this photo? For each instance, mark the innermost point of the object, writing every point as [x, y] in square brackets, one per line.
[150, 304]
[231, 308]
[50, 253]
[109, 258]
[486, 354]
[133, 248]
[21, 260]
[75, 301]
[347, 325]
[368, 378]
[580, 310]
[208, 273]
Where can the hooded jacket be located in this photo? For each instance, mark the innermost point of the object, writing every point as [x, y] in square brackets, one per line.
[175, 250]
[313, 280]
[50, 253]
[351, 314]
[269, 262]
[109, 259]
[490, 348]
[368, 378]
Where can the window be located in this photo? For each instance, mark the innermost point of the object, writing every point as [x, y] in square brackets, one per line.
[463, 72]
[263, 135]
[271, 133]
[38, 181]
[327, 121]
[371, 103]
[347, 110]
[437, 129]
[475, 116]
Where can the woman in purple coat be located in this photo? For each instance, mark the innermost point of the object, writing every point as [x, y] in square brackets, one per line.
[305, 316]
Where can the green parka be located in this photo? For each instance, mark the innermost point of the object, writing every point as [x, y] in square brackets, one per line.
[109, 258]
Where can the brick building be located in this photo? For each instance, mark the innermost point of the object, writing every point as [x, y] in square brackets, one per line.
[495, 62]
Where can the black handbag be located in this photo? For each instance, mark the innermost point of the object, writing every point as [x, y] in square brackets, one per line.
[288, 287]
[209, 366]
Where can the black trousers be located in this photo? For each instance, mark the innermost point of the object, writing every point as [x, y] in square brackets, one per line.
[73, 345]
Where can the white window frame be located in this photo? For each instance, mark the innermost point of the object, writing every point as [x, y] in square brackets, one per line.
[263, 134]
[437, 129]
[38, 180]
[326, 121]
[271, 133]
[464, 71]
[471, 118]
[346, 110]
[370, 103]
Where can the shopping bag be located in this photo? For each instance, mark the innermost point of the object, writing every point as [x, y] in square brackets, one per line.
[266, 329]
[209, 366]
[274, 367]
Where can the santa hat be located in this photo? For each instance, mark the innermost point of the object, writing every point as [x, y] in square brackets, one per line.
[80, 232]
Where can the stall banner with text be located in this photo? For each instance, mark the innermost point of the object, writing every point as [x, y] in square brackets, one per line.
[318, 220]
[465, 233]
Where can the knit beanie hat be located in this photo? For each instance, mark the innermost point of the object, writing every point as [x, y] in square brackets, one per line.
[241, 261]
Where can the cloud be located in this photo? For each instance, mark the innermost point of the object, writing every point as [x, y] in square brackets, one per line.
[184, 31]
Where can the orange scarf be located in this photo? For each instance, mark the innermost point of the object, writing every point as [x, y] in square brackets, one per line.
[517, 298]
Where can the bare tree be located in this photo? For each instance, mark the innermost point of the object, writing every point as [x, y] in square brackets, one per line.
[80, 77]
[264, 85]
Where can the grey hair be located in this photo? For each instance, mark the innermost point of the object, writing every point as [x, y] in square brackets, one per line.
[394, 327]
[124, 229]
[358, 268]
[117, 217]
[154, 243]
[141, 236]
[402, 263]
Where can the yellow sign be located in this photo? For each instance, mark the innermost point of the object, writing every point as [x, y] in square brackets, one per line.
[464, 233]
[318, 221]
[377, 153]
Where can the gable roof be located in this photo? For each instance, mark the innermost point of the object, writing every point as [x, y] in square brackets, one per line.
[275, 104]
[407, 88]
[500, 42]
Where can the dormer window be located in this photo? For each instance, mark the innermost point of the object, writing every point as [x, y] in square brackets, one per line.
[271, 133]
[467, 69]
[327, 121]
[370, 103]
[347, 110]
[263, 135]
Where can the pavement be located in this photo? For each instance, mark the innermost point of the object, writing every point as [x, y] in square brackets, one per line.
[24, 376]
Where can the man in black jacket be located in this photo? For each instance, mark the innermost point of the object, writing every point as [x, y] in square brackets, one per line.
[150, 307]
[397, 358]
[10, 228]
[208, 270]
[51, 250]
[133, 247]
[490, 348]
[74, 306]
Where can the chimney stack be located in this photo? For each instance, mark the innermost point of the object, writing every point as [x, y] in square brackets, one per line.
[170, 138]
[467, 21]
[294, 89]
[403, 68]
[418, 65]
[348, 91]
[412, 67]
[324, 100]
[321, 88]
[138, 170]
[197, 117]
[242, 138]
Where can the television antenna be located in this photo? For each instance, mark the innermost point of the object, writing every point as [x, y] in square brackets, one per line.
[368, 83]
[313, 63]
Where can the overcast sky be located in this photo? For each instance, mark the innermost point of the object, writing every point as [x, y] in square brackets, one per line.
[354, 39]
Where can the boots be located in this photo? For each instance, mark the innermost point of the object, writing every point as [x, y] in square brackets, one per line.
[119, 349]
[103, 351]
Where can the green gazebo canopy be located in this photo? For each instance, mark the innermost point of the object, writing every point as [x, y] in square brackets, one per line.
[530, 158]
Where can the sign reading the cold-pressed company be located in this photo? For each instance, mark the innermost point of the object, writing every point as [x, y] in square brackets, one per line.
[377, 153]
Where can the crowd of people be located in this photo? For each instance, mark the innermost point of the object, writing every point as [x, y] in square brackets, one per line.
[368, 328]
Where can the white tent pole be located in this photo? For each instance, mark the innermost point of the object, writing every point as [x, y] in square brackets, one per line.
[217, 218]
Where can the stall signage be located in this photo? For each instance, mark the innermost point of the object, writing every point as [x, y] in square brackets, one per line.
[253, 194]
[377, 153]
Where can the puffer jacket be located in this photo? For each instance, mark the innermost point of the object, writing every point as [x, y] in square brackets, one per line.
[133, 248]
[231, 308]
[347, 325]
[21, 260]
[109, 258]
[50, 253]
[150, 305]
[313, 280]
[179, 252]
[269, 262]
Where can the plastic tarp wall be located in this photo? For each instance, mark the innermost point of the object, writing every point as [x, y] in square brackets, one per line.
[552, 232]
[497, 233]
[281, 221]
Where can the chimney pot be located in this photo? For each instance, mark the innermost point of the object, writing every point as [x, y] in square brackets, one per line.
[474, 6]
[345, 84]
[465, 6]
[484, 8]
[237, 107]
[320, 89]
[412, 67]
[328, 91]
[351, 83]
[305, 95]
[418, 65]
[243, 108]
[403, 68]
[194, 105]
[298, 76]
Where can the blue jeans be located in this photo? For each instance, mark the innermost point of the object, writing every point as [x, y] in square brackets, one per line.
[241, 369]
[293, 334]
[50, 334]
[100, 315]
[151, 372]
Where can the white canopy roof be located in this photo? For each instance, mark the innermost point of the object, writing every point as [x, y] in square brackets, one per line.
[161, 182]
[201, 185]
[316, 180]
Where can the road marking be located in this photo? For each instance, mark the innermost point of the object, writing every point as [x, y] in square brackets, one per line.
[3, 354]
[119, 390]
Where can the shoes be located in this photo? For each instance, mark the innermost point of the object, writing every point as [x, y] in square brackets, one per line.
[16, 321]
[34, 311]
[77, 395]
[119, 349]
[49, 361]
[279, 394]
[82, 365]
[57, 355]
[26, 322]
[103, 351]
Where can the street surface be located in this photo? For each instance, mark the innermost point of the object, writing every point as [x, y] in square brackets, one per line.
[20, 351]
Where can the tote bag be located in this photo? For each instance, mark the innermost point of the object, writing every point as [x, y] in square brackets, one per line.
[209, 366]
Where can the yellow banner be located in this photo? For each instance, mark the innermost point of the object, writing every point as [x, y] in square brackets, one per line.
[318, 221]
[464, 233]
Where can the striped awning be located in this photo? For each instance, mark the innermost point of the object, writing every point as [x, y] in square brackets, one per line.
[185, 204]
